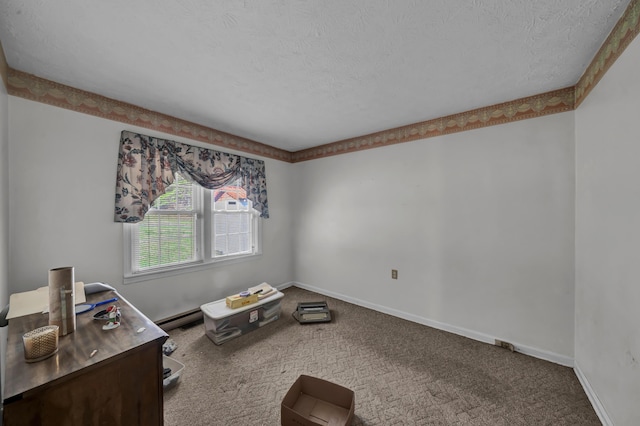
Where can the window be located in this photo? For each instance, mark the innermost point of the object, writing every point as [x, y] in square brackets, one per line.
[233, 222]
[168, 235]
[191, 227]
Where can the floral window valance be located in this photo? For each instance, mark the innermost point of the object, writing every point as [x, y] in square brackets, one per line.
[146, 167]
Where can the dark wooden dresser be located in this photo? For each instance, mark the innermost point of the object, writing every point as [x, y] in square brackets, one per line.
[120, 385]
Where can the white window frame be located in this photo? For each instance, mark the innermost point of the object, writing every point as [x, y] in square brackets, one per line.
[204, 235]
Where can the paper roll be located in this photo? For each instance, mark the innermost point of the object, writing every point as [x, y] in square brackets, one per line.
[62, 299]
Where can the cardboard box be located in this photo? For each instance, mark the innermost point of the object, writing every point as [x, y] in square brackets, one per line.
[237, 301]
[316, 402]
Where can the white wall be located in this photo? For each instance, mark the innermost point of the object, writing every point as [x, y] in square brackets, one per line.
[4, 216]
[480, 226]
[607, 322]
[61, 202]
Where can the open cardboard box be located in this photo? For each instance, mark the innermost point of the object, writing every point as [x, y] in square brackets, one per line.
[316, 402]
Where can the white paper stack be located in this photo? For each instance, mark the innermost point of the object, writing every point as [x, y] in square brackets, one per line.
[264, 290]
[35, 301]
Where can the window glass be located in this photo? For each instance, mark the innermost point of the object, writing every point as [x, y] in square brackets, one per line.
[168, 234]
[234, 222]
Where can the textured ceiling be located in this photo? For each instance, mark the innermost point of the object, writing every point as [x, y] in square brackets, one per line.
[295, 74]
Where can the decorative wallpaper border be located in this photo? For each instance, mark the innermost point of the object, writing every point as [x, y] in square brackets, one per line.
[37, 89]
[520, 109]
[620, 37]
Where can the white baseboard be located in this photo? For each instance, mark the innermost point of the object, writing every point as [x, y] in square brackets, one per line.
[593, 398]
[284, 285]
[475, 335]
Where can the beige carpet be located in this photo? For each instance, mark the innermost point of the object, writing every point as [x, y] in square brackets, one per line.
[402, 374]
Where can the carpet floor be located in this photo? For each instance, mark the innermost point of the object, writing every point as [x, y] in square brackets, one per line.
[402, 373]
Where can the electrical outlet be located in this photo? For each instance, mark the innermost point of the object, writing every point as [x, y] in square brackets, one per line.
[505, 345]
[394, 274]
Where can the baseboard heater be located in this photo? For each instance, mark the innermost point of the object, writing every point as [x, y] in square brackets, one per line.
[180, 319]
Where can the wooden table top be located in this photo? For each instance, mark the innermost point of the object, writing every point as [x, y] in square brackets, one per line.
[74, 349]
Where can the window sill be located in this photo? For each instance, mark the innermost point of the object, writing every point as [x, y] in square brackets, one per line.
[186, 269]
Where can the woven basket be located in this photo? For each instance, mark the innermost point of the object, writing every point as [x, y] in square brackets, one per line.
[40, 343]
